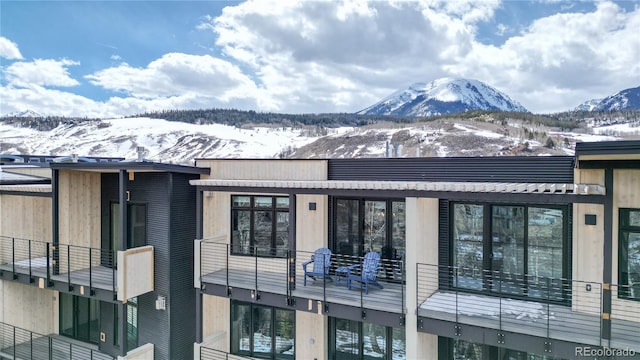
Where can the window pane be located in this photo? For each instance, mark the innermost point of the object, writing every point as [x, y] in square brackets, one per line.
[375, 234]
[262, 330]
[282, 233]
[241, 225]
[241, 201]
[347, 234]
[630, 264]
[398, 228]
[240, 328]
[132, 323]
[66, 314]
[507, 258]
[375, 340]
[282, 202]
[399, 345]
[137, 225]
[347, 338]
[467, 245]
[263, 232]
[285, 334]
[631, 218]
[263, 202]
[463, 350]
[546, 240]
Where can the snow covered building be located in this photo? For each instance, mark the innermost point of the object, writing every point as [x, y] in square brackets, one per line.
[480, 258]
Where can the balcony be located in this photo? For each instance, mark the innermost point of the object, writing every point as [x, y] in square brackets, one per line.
[17, 343]
[543, 307]
[76, 269]
[279, 280]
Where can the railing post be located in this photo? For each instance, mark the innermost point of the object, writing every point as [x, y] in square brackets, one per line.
[362, 285]
[402, 292]
[69, 267]
[13, 257]
[90, 274]
[14, 342]
[50, 342]
[30, 272]
[228, 252]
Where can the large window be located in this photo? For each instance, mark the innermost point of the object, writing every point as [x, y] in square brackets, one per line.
[363, 225]
[454, 349]
[136, 228]
[79, 318]
[262, 331]
[521, 250]
[260, 225]
[629, 254]
[354, 340]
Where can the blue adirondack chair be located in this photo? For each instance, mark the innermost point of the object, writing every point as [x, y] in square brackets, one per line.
[368, 273]
[321, 260]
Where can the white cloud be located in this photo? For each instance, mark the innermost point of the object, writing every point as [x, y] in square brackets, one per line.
[115, 57]
[327, 56]
[40, 72]
[562, 59]
[177, 74]
[9, 49]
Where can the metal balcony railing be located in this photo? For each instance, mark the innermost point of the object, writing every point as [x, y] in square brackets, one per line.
[553, 308]
[212, 354]
[284, 275]
[17, 343]
[70, 264]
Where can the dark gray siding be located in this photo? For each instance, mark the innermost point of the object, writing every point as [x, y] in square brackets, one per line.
[608, 147]
[182, 300]
[153, 325]
[548, 169]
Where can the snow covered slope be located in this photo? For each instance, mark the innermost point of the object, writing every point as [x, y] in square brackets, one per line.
[177, 142]
[444, 96]
[624, 100]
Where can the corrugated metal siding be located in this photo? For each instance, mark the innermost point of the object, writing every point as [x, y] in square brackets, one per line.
[444, 248]
[153, 325]
[182, 301]
[548, 169]
[608, 147]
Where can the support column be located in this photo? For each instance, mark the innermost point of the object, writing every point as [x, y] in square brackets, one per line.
[199, 194]
[122, 308]
[422, 247]
[55, 226]
[292, 241]
[608, 255]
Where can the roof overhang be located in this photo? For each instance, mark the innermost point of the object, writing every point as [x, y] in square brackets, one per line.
[587, 193]
[113, 167]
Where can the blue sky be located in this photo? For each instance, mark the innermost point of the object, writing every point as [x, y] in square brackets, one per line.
[115, 58]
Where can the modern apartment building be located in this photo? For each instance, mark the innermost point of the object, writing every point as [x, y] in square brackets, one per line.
[475, 258]
[97, 263]
[481, 258]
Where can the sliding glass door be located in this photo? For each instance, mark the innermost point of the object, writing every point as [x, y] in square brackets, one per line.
[79, 318]
[511, 249]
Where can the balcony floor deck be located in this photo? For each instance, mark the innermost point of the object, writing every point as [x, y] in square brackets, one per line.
[53, 347]
[388, 299]
[526, 317]
[99, 277]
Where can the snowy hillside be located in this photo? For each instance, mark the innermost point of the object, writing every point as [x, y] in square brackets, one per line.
[624, 100]
[589, 105]
[178, 142]
[444, 96]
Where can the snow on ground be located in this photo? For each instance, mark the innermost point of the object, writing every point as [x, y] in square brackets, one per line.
[474, 305]
[476, 131]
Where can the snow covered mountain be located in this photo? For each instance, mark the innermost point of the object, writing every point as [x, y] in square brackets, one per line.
[588, 105]
[627, 99]
[26, 113]
[444, 96]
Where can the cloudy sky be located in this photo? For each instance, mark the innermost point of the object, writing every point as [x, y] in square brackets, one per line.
[115, 58]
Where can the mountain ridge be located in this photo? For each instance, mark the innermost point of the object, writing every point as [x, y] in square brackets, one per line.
[443, 96]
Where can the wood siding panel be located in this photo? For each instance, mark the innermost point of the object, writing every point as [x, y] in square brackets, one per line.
[311, 225]
[216, 313]
[79, 194]
[25, 217]
[29, 308]
[264, 169]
